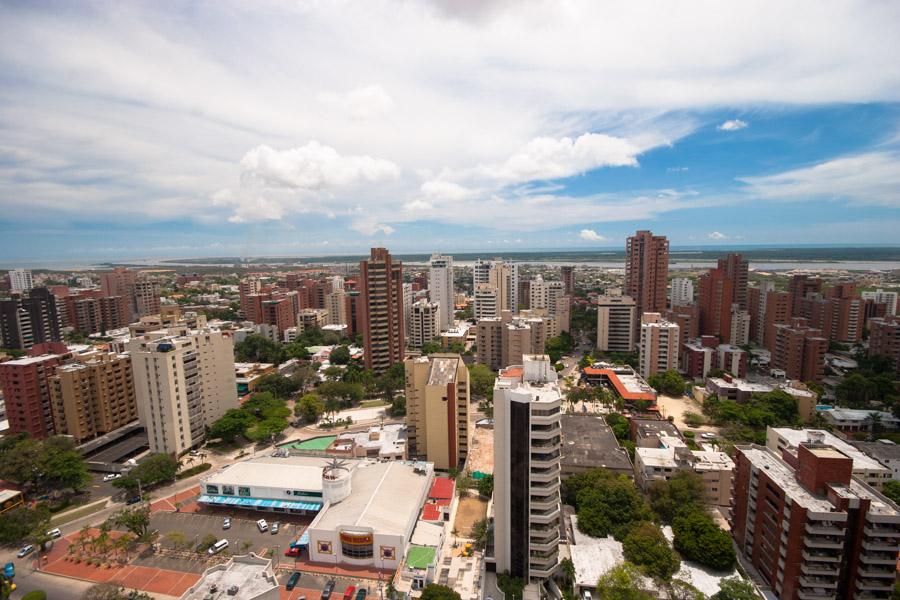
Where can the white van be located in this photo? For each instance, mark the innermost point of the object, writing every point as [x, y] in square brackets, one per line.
[218, 547]
[262, 525]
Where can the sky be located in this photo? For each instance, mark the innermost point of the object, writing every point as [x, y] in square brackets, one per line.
[224, 128]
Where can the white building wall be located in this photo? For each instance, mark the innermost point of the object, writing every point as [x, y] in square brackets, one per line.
[682, 292]
[440, 288]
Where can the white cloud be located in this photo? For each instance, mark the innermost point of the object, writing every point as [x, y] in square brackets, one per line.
[864, 179]
[732, 125]
[445, 190]
[590, 235]
[370, 227]
[312, 167]
[716, 235]
[365, 102]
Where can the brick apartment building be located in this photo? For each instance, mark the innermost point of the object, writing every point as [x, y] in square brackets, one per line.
[799, 351]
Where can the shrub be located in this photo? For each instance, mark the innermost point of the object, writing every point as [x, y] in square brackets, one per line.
[194, 470]
[698, 538]
[35, 595]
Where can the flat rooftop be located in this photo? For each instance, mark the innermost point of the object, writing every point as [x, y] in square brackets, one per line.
[387, 439]
[588, 442]
[861, 461]
[593, 557]
[880, 449]
[443, 371]
[710, 460]
[657, 457]
[766, 461]
[300, 472]
[741, 385]
[386, 496]
[648, 427]
[250, 574]
[628, 384]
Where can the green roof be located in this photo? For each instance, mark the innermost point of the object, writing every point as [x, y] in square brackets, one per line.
[317, 443]
[419, 557]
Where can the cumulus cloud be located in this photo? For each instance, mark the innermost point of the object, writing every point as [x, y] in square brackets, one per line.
[716, 235]
[371, 227]
[732, 125]
[312, 167]
[590, 235]
[871, 178]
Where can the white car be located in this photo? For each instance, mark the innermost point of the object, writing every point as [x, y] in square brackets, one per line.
[111, 477]
[54, 534]
[262, 525]
[708, 436]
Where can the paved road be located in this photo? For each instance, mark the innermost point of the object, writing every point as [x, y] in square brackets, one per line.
[61, 588]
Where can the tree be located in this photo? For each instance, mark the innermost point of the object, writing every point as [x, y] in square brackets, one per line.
[278, 385]
[607, 504]
[18, 524]
[391, 381]
[397, 407]
[735, 588]
[669, 383]
[62, 465]
[557, 346]
[433, 591]
[265, 429]
[684, 491]
[698, 538]
[309, 407]
[647, 547]
[258, 348]
[512, 587]
[136, 520]
[346, 394]
[231, 425]
[485, 486]
[481, 380]
[624, 582]
[155, 469]
[431, 347]
[891, 489]
[619, 426]
[339, 356]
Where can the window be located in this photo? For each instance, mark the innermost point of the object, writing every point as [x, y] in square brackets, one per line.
[243, 491]
[212, 489]
[354, 551]
[228, 490]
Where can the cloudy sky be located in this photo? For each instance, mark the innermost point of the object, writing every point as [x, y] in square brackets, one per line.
[308, 127]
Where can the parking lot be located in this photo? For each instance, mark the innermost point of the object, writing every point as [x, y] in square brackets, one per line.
[243, 536]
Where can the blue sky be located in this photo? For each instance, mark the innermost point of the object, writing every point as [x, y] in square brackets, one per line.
[316, 128]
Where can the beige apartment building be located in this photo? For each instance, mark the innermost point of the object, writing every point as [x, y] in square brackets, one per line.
[615, 323]
[503, 341]
[312, 318]
[93, 397]
[424, 323]
[184, 381]
[437, 409]
[658, 346]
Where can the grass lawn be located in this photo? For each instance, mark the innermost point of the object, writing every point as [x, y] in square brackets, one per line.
[372, 403]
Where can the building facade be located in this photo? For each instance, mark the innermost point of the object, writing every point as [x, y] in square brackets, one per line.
[20, 280]
[799, 351]
[440, 288]
[424, 324]
[615, 323]
[659, 345]
[647, 271]
[384, 338]
[681, 292]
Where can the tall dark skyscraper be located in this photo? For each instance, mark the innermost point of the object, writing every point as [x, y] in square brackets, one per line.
[381, 285]
[29, 320]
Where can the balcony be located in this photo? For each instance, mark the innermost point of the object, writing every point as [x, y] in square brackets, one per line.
[821, 557]
[880, 545]
[818, 569]
[544, 516]
[818, 582]
[545, 474]
[544, 488]
[544, 546]
[881, 531]
[823, 542]
[868, 572]
[875, 558]
[544, 503]
[822, 529]
[815, 594]
[875, 585]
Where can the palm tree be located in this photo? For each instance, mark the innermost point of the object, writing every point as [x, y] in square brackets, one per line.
[873, 421]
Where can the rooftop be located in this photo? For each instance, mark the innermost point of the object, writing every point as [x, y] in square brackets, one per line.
[740, 384]
[388, 439]
[657, 457]
[861, 461]
[593, 557]
[300, 472]
[783, 475]
[385, 496]
[706, 460]
[250, 574]
[628, 385]
[588, 442]
[880, 449]
[443, 371]
[853, 414]
[657, 427]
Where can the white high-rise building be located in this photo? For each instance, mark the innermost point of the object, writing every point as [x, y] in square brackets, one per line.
[20, 280]
[487, 302]
[336, 303]
[504, 277]
[881, 296]
[682, 292]
[407, 307]
[481, 271]
[659, 345]
[615, 323]
[184, 381]
[527, 430]
[423, 323]
[740, 326]
[440, 288]
[543, 294]
[759, 328]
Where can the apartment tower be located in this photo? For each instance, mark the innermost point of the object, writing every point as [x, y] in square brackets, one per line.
[615, 323]
[527, 431]
[647, 271]
[659, 345]
[381, 282]
[440, 288]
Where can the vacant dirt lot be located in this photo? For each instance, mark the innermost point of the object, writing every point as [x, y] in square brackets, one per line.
[671, 406]
[470, 511]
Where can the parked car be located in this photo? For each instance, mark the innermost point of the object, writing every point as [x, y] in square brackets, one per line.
[292, 581]
[226, 524]
[262, 525]
[25, 551]
[275, 527]
[133, 500]
[708, 436]
[54, 533]
[326, 591]
[111, 477]
[217, 547]
[361, 594]
[350, 592]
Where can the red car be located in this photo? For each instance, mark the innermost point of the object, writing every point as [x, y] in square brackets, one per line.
[349, 592]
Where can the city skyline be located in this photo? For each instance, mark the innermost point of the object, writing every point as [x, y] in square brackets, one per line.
[189, 145]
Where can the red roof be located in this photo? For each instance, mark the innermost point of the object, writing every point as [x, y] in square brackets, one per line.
[621, 390]
[431, 512]
[442, 488]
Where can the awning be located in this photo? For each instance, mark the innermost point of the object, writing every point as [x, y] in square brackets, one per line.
[258, 502]
[303, 540]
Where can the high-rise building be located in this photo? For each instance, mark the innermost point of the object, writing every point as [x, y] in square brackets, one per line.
[809, 528]
[29, 320]
[20, 280]
[647, 271]
[659, 345]
[437, 409]
[682, 291]
[839, 313]
[884, 338]
[502, 341]
[381, 283]
[424, 323]
[145, 296]
[487, 302]
[527, 432]
[777, 312]
[440, 288]
[481, 272]
[502, 276]
[94, 396]
[337, 307]
[687, 317]
[756, 305]
[26, 387]
[799, 351]
[543, 294]
[739, 331]
[184, 381]
[567, 275]
[736, 269]
[889, 299]
[715, 299]
[248, 288]
[117, 282]
[615, 323]
[801, 286]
